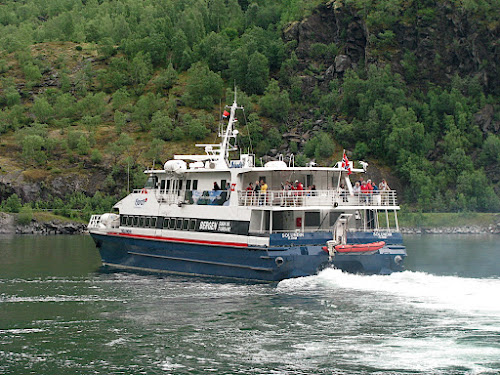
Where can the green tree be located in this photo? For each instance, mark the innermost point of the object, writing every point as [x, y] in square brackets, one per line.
[275, 103]
[120, 98]
[161, 126]
[257, 74]
[181, 52]
[140, 70]
[32, 149]
[13, 203]
[120, 120]
[144, 109]
[42, 109]
[204, 87]
[166, 79]
[214, 50]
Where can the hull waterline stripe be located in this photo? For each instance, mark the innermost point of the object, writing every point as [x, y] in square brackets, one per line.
[144, 269]
[183, 240]
[202, 261]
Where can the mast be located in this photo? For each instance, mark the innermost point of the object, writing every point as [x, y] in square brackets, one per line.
[224, 150]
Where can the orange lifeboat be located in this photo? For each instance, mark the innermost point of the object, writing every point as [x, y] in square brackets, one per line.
[360, 248]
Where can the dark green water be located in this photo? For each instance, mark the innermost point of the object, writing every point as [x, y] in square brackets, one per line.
[60, 315]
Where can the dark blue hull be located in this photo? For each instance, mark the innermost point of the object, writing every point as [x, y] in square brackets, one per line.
[250, 263]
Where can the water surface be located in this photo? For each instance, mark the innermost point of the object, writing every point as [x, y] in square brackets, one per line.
[60, 315]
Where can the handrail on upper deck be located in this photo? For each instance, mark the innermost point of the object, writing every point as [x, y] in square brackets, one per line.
[302, 198]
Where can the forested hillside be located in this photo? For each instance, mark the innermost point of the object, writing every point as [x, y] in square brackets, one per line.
[92, 89]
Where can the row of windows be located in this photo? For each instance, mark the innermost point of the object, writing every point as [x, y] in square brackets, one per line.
[177, 184]
[158, 222]
[138, 221]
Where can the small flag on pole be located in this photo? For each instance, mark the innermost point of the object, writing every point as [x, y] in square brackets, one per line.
[225, 114]
[345, 164]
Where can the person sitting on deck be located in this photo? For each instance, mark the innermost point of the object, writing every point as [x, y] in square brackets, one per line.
[216, 186]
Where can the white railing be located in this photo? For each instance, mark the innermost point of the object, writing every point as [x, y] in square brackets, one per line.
[168, 198]
[294, 198]
[94, 222]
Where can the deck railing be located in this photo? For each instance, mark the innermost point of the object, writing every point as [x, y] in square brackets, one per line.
[94, 222]
[303, 198]
[284, 198]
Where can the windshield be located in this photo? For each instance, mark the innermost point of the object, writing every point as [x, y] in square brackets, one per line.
[150, 183]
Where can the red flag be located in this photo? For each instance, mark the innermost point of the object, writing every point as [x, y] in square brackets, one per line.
[345, 164]
[225, 114]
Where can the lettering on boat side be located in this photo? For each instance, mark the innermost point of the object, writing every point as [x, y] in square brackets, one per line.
[225, 226]
[380, 234]
[215, 226]
[126, 231]
[292, 236]
[140, 202]
[208, 225]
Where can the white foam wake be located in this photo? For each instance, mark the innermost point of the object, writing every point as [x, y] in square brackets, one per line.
[466, 295]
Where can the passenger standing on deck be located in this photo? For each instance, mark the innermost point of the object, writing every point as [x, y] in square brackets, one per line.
[256, 193]
[248, 195]
[263, 192]
[343, 193]
[216, 186]
[384, 190]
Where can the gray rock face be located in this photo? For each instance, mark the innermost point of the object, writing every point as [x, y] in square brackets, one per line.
[6, 223]
[51, 227]
[8, 226]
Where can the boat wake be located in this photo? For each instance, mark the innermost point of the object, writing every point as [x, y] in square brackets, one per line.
[414, 322]
[467, 295]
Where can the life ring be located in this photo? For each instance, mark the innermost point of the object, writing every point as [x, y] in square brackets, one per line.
[233, 187]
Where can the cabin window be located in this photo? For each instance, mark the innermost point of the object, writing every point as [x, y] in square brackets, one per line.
[179, 224]
[148, 222]
[165, 223]
[129, 221]
[180, 184]
[153, 222]
[136, 221]
[192, 224]
[312, 219]
[309, 180]
[223, 184]
[333, 218]
[168, 185]
[185, 224]
[151, 182]
[162, 185]
[195, 184]
[141, 222]
[172, 223]
[188, 185]
[123, 220]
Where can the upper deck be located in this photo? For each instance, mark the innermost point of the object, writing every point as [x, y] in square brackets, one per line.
[385, 199]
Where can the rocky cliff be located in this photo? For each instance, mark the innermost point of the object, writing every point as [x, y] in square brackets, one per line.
[442, 42]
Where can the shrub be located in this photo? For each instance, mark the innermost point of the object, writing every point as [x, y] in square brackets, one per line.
[12, 204]
[25, 215]
[96, 156]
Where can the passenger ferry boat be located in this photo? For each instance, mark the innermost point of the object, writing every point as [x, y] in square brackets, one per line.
[178, 223]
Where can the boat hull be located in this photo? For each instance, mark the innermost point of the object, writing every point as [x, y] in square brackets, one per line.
[234, 262]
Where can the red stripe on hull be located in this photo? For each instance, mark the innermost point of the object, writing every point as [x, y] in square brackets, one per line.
[183, 240]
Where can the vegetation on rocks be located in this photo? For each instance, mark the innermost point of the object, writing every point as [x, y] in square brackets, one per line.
[91, 92]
